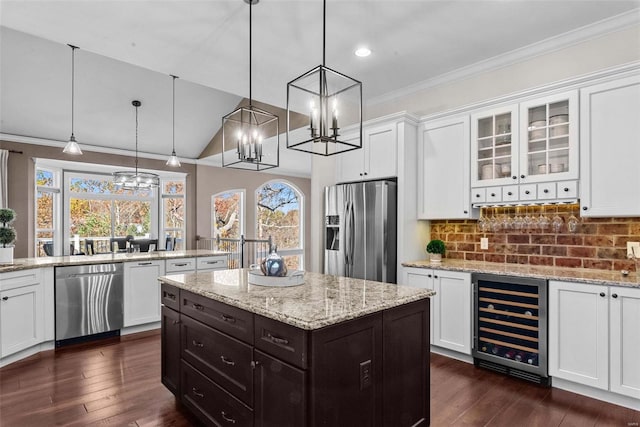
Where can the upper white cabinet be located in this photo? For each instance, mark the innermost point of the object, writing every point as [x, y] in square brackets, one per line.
[593, 336]
[443, 169]
[22, 313]
[610, 152]
[142, 292]
[376, 159]
[516, 148]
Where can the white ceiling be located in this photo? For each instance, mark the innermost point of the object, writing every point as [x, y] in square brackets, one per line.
[129, 48]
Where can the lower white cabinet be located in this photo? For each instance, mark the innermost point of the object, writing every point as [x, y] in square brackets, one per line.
[21, 310]
[142, 292]
[212, 263]
[450, 307]
[593, 336]
[180, 266]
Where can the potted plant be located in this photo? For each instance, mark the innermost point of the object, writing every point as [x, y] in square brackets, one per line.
[436, 249]
[7, 235]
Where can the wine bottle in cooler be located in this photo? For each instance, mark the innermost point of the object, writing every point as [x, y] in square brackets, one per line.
[496, 350]
[532, 359]
[520, 357]
[510, 354]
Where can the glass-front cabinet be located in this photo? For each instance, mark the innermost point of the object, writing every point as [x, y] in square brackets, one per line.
[516, 147]
[549, 132]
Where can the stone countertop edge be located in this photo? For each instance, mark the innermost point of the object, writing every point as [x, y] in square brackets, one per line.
[58, 261]
[323, 300]
[580, 275]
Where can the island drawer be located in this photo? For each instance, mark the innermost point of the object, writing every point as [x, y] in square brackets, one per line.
[283, 341]
[180, 265]
[170, 296]
[212, 263]
[231, 320]
[221, 358]
[212, 404]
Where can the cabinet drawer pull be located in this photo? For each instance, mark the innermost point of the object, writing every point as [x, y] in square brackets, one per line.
[614, 295]
[493, 194]
[145, 263]
[566, 189]
[227, 418]
[546, 190]
[196, 392]
[198, 306]
[5, 298]
[213, 262]
[197, 344]
[171, 296]
[510, 193]
[175, 322]
[182, 264]
[227, 361]
[602, 294]
[527, 192]
[278, 340]
[228, 318]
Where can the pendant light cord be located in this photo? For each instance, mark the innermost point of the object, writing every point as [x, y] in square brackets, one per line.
[324, 30]
[173, 145]
[136, 139]
[250, 34]
[73, 74]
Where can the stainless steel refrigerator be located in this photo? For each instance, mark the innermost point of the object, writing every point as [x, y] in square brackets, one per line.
[360, 230]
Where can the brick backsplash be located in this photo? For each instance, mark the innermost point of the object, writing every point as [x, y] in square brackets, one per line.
[599, 243]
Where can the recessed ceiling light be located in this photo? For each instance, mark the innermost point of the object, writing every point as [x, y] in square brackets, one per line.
[363, 51]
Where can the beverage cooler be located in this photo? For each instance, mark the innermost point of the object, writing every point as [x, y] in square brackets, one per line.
[510, 326]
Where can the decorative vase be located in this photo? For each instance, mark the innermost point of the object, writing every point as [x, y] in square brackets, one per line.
[6, 255]
[435, 258]
[273, 265]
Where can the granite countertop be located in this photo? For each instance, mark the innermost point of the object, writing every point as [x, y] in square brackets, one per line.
[56, 261]
[582, 275]
[322, 300]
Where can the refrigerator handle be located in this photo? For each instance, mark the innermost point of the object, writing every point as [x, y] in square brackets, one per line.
[347, 233]
[385, 231]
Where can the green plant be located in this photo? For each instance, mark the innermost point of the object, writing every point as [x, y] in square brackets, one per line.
[436, 247]
[7, 233]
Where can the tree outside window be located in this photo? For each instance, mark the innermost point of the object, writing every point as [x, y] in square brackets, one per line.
[227, 215]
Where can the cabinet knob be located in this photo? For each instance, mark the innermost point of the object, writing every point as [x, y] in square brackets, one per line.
[510, 193]
[466, 212]
[521, 176]
[584, 208]
[565, 189]
[477, 195]
[435, 276]
[614, 295]
[360, 173]
[365, 173]
[5, 298]
[429, 276]
[175, 322]
[514, 177]
[527, 192]
[546, 190]
[493, 194]
[602, 294]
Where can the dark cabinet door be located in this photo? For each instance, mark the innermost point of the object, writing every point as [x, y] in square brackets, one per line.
[170, 356]
[406, 365]
[280, 398]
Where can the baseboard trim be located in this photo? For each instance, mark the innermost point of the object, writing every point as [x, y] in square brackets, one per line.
[452, 354]
[607, 396]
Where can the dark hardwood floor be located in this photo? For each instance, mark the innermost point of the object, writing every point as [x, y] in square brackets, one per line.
[117, 382]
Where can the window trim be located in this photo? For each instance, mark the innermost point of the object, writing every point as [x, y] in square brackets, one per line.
[55, 191]
[162, 230]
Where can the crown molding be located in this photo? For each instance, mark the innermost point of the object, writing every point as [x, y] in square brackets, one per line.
[85, 147]
[551, 44]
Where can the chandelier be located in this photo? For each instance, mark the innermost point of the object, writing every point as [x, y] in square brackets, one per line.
[330, 98]
[250, 135]
[136, 179]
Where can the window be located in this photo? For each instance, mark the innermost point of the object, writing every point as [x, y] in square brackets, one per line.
[228, 214]
[47, 241]
[173, 211]
[95, 209]
[279, 215]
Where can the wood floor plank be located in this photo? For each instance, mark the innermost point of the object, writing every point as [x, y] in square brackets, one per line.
[117, 383]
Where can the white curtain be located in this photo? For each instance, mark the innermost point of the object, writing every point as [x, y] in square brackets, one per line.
[4, 178]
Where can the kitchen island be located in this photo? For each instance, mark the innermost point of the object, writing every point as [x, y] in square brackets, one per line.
[332, 351]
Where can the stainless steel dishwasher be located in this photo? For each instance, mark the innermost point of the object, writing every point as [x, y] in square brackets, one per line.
[89, 302]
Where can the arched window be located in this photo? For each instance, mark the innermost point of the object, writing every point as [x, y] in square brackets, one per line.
[280, 215]
[227, 216]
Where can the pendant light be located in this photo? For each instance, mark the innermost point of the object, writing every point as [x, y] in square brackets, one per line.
[136, 180]
[72, 146]
[173, 160]
[323, 93]
[250, 135]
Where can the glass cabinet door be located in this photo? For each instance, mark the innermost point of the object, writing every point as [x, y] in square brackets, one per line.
[494, 147]
[548, 139]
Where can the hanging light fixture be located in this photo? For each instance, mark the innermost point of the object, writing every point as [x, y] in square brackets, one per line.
[250, 135]
[173, 160]
[137, 179]
[324, 93]
[72, 146]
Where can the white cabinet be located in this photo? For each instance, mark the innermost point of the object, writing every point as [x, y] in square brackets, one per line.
[375, 160]
[142, 292]
[450, 307]
[180, 265]
[593, 336]
[610, 125]
[21, 310]
[516, 148]
[209, 263]
[443, 169]
[624, 339]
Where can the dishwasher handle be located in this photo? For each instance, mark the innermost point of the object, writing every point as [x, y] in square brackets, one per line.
[94, 273]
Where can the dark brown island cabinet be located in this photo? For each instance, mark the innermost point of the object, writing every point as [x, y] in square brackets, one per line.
[232, 367]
